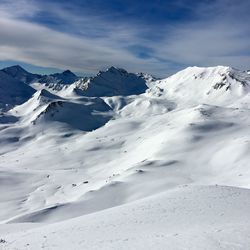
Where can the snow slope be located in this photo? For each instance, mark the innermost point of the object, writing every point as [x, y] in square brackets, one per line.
[165, 169]
[46, 108]
[211, 217]
[86, 117]
[213, 85]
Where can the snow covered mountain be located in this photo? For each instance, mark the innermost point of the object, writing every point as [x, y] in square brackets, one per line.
[142, 162]
[87, 117]
[113, 82]
[66, 77]
[55, 82]
[20, 74]
[13, 91]
[213, 85]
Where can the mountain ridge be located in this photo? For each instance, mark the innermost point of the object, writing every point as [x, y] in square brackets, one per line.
[19, 73]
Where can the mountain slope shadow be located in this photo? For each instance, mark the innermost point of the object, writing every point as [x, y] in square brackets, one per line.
[83, 116]
[113, 82]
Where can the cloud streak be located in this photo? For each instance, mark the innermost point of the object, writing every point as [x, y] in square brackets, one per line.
[88, 43]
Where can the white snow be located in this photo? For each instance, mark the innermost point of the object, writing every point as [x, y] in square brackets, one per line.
[184, 218]
[164, 169]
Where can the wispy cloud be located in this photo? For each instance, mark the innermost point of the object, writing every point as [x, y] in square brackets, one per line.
[42, 46]
[56, 35]
[20, 8]
[208, 44]
[220, 36]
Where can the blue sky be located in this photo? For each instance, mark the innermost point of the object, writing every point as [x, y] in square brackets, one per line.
[157, 37]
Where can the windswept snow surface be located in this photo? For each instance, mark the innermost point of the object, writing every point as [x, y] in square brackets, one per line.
[165, 167]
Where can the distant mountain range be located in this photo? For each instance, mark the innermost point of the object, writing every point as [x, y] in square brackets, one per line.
[113, 81]
[17, 72]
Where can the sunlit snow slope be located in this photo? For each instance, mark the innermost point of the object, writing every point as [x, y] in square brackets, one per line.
[117, 165]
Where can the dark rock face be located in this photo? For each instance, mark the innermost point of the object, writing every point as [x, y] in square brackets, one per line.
[20, 74]
[115, 81]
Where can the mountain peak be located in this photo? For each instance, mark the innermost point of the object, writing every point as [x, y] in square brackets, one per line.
[68, 72]
[20, 74]
[218, 84]
[15, 69]
[66, 77]
[114, 69]
[113, 82]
